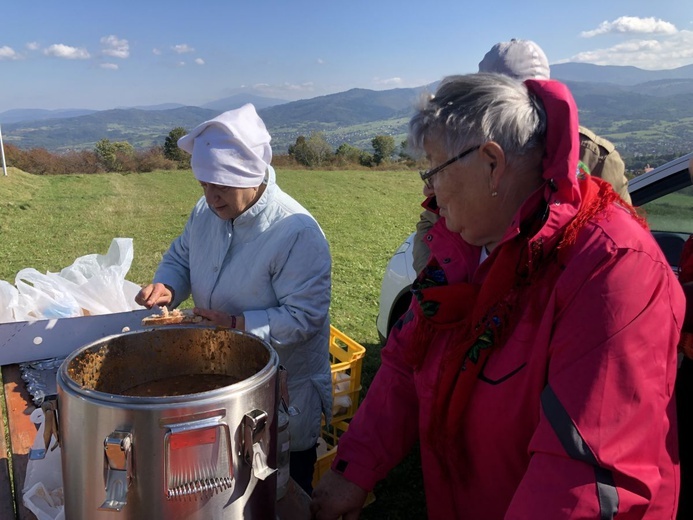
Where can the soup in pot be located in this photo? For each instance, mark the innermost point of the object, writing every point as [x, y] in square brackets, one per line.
[180, 385]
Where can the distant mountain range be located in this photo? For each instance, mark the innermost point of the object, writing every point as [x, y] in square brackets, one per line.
[618, 75]
[641, 111]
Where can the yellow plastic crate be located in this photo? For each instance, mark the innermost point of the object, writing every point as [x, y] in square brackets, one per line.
[346, 358]
[327, 450]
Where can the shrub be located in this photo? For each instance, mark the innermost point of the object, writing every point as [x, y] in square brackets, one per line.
[383, 146]
[39, 161]
[84, 161]
[284, 161]
[116, 156]
[171, 150]
[153, 159]
[311, 152]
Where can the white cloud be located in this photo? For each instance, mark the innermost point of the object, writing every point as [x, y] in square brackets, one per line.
[58, 50]
[308, 86]
[665, 52]
[156, 52]
[182, 48]
[8, 53]
[114, 47]
[283, 88]
[321, 61]
[199, 61]
[389, 82]
[109, 66]
[33, 46]
[180, 64]
[632, 24]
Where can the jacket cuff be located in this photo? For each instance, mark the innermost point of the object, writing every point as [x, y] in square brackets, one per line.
[360, 475]
[257, 323]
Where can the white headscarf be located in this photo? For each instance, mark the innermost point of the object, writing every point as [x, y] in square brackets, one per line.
[230, 150]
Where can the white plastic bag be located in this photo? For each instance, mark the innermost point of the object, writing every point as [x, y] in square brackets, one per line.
[43, 296]
[9, 301]
[43, 486]
[93, 284]
[98, 281]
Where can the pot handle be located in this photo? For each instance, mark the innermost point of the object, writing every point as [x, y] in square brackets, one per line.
[198, 459]
[254, 449]
[117, 459]
[284, 401]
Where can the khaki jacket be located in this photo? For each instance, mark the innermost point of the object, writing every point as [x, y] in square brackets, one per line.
[603, 161]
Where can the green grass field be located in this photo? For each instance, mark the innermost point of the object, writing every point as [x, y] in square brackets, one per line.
[47, 222]
[673, 212]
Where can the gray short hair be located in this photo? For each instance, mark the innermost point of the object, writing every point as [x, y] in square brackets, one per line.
[476, 108]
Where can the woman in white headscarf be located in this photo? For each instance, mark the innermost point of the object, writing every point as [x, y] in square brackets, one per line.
[255, 260]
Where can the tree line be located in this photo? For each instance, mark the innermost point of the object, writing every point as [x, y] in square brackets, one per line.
[107, 156]
[307, 152]
[121, 157]
[316, 152]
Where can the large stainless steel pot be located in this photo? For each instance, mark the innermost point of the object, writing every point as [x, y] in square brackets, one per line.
[203, 455]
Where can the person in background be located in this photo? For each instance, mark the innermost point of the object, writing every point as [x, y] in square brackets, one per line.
[524, 59]
[685, 272]
[536, 363]
[684, 380]
[255, 260]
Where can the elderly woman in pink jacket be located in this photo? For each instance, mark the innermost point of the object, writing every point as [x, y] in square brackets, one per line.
[536, 364]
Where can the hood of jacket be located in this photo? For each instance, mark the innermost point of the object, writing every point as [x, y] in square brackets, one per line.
[560, 190]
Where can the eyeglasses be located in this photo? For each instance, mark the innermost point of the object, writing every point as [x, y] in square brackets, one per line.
[427, 175]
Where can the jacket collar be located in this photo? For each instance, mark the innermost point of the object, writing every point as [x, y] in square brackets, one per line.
[265, 199]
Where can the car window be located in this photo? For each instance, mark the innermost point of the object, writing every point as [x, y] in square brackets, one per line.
[670, 218]
[672, 212]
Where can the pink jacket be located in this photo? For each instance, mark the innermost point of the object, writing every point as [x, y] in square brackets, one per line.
[573, 417]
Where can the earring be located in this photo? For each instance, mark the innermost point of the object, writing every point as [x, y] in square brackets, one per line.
[494, 194]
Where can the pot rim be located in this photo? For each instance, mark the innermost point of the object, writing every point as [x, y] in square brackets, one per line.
[63, 378]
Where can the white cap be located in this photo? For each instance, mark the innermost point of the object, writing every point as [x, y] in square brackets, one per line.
[230, 150]
[519, 59]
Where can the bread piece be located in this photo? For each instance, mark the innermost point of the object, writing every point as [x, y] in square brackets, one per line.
[173, 317]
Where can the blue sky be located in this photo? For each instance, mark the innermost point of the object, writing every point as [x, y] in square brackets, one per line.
[100, 55]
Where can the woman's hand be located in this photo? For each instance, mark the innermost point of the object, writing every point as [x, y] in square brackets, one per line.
[336, 497]
[154, 294]
[222, 319]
